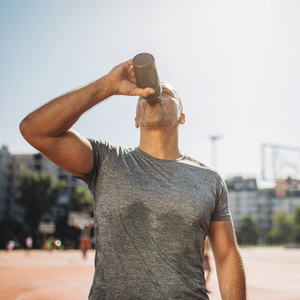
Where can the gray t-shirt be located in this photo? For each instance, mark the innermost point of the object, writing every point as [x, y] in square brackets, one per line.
[151, 217]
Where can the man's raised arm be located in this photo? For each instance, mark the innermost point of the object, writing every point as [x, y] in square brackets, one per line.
[48, 129]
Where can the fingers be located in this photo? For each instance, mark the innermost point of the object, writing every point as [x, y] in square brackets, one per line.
[138, 91]
[143, 92]
[128, 62]
[124, 82]
[128, 65]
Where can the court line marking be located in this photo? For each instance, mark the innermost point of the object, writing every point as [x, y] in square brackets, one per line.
[33, 292]
[40, 290]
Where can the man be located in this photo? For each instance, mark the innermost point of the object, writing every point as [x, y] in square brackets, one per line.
[85, 244]
[153, 205]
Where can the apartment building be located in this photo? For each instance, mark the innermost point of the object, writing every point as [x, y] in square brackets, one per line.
[11, 168]
[4, 167]
[245, 198]
[244, 195]
[287, 197]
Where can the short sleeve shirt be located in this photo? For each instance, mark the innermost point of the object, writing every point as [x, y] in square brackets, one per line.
[151, 217]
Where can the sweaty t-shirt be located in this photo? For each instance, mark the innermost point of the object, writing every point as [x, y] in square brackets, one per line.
[151, 217]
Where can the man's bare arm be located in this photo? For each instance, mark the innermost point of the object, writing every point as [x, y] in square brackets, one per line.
[229, 265]
[48, 129]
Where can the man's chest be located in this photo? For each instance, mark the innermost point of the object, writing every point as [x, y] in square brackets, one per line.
[156, 194]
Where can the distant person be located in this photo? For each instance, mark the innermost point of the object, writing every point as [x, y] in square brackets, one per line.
[51, 244]
[10, 245]
[85, 245]
[153, 204]
[28, 244]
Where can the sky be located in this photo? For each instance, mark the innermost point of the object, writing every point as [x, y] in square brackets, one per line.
[235, 64]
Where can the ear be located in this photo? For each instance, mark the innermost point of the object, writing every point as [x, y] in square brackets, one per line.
[136, 123]
[182, 118]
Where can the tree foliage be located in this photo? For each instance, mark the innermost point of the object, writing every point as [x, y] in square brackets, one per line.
[38, 193]
[81, 198]
[282, 229]
[296, 221]
[248, 231]
[10, 229]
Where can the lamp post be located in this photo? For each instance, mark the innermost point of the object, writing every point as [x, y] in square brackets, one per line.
[214, 139]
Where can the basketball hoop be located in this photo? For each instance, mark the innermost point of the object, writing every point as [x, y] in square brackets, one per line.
[80, 220]
[46, 227]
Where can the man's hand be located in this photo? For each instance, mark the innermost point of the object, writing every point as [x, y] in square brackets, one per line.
[123, 81]
[48, 129]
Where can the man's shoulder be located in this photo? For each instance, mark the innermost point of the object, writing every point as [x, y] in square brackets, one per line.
[197, 163]
[108, 146]
[202, 167]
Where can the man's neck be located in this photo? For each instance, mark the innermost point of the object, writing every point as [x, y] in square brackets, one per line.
[160, 144]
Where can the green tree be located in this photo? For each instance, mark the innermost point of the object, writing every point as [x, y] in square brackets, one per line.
[296, 223]
[248, 231]
[38, 193]
[9, 229]
[81, 198]
[282, 229]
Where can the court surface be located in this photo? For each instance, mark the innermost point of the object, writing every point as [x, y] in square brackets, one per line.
[272, 273]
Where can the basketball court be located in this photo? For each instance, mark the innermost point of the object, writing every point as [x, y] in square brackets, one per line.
[272, 273]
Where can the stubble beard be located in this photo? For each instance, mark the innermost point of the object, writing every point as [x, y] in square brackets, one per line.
[155, 121]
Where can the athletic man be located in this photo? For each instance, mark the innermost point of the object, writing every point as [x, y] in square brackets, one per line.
[153, 205]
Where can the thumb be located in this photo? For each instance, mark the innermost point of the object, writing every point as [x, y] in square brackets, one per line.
[144, 92]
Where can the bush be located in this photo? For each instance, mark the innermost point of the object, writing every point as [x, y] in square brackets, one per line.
[282, 231]
[248, 231]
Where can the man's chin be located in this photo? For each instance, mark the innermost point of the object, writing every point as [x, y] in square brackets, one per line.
[153, 124]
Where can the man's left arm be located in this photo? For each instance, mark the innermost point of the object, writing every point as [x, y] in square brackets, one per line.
[229, 265]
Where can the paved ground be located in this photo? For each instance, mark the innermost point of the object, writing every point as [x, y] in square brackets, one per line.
[272, 273]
